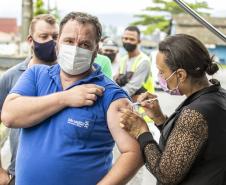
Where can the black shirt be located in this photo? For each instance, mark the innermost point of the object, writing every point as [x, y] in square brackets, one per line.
[192, 147]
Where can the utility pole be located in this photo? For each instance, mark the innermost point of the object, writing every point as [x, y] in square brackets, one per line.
[27, 14]
[48, 6]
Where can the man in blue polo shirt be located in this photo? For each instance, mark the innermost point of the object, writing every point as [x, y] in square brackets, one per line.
[62, 142]
[43, 33]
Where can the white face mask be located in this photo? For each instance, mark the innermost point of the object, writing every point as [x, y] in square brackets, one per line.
[74, 60]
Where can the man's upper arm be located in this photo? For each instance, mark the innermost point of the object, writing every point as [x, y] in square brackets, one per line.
[123, 140]
[26, 84]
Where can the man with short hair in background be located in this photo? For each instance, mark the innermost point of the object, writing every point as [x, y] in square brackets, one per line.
[134, 74]
[110, 49]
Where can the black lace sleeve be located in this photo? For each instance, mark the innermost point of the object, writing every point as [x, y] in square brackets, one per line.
[183, 145]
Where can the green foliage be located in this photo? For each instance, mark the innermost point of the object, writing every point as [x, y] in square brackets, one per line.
[39, 8]
[162, 22]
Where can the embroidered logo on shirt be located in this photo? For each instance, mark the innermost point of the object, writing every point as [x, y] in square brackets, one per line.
[77, 123]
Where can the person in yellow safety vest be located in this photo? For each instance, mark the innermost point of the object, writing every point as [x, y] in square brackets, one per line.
[147, 85]
[134, 74]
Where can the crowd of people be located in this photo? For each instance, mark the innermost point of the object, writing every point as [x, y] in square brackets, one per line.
[70, 106]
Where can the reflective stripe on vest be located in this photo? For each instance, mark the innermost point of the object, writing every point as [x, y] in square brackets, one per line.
[144, 116]
[149, 83]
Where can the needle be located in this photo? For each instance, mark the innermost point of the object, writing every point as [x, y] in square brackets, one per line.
[148, 101]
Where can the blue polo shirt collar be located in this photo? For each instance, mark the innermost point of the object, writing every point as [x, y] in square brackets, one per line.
[54, 72]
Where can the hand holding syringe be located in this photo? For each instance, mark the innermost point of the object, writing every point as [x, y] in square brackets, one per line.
[136, 105]
[149, 103]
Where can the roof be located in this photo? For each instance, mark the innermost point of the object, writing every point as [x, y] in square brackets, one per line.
[6, 37]
[188, 25]
[8, 25]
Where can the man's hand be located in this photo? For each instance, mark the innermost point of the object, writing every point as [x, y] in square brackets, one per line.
[82, 95]
[4, 177]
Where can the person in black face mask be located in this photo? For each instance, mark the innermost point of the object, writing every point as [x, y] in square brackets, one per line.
[110, 49]
[42, 39]
[134, 73]
[43, 33]
[45, 51]
[131, 39]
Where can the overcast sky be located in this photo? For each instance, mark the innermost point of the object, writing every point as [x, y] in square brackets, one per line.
[12, 8]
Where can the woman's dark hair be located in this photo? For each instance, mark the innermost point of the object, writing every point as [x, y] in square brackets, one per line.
[187, 52]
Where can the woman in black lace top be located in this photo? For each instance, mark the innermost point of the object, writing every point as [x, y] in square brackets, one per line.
[192, 146]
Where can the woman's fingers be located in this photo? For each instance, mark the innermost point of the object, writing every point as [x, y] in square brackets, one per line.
[146, 96]
[142, 97]
[121, 125]
[149, 104]
[132, 123]
[126, 119]
[129, 120]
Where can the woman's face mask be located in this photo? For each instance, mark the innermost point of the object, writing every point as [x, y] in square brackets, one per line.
[74, 60]
[164, 86]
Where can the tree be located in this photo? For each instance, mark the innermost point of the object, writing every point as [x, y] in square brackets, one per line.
[27, 14]
[39, 8]
[166, 8]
